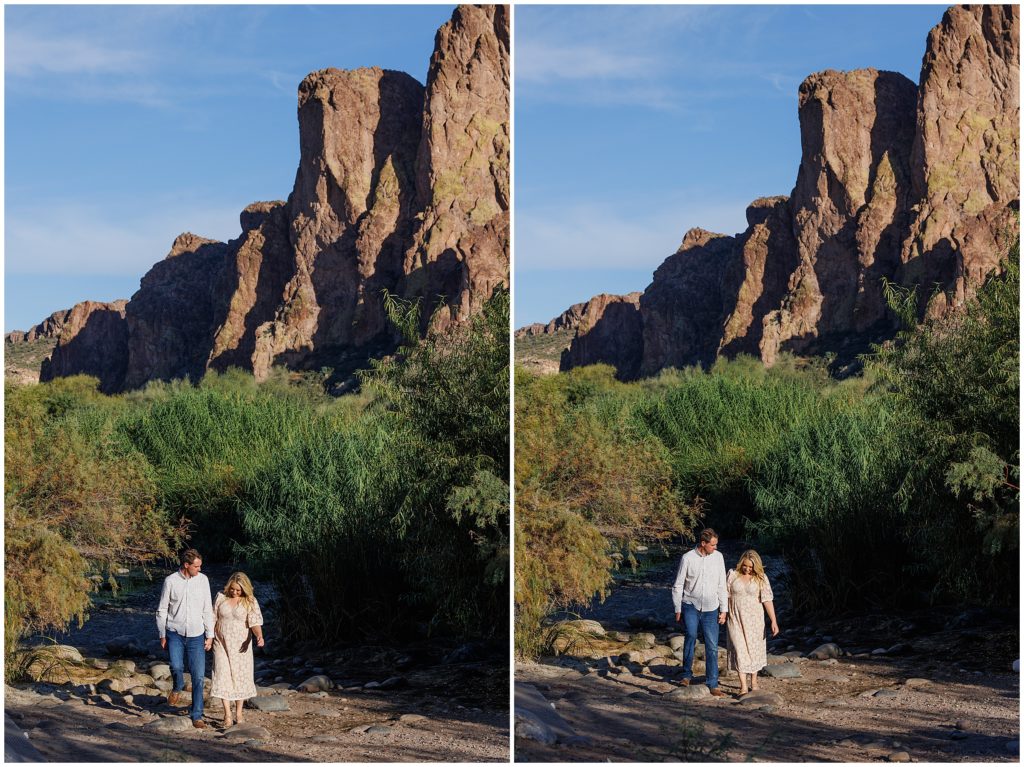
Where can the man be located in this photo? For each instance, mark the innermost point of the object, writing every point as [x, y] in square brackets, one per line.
[184, 620]
[701, 598]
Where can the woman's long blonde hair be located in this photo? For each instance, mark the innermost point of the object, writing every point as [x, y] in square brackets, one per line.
[242, 581]
[755, 564]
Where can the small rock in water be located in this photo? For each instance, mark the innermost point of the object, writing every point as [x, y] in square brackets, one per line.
[879, 651]
[899, 756]
[393, 683]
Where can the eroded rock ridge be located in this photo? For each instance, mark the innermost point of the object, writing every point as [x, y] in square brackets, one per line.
[400, 187]
[917, 184]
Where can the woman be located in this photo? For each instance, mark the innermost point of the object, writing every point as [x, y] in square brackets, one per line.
[750, 597]
[236, 612]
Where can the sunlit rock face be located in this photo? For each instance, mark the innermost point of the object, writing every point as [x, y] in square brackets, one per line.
[917, 184]
[400, 187]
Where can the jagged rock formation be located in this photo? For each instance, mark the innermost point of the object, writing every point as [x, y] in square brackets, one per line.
[48, 328]
[94, 336]
[917, 185]
[400, 187]
[609, 331]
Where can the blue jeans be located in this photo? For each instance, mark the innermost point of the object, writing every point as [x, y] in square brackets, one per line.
[195, 649]
[708, 622]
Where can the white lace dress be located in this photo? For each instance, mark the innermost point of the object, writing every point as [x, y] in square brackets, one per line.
[233, 677]
[748, 652]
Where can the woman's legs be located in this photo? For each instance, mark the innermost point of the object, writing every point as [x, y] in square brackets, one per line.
[227, 713]
[743, 683]
[238, 711]
[753, 681]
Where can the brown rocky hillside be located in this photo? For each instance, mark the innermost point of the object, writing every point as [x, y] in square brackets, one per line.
[400, 187]
[916, 184]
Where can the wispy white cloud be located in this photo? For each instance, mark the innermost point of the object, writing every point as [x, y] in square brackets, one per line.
[87, 239]
[28, 54]
[539, 61]
[600, 236]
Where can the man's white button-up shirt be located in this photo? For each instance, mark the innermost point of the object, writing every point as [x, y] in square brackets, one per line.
[700, 581]
[185, 607]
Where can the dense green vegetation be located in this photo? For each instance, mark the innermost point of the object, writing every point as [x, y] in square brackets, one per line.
[899, 486]
[375, 511]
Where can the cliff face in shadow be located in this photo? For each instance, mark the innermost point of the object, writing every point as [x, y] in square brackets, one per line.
[917, 184]
[400, 187]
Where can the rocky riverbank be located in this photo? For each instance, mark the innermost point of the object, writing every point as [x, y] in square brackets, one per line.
[934, 685]
[101, 696]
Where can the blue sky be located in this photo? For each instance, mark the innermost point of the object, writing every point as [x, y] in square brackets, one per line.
[635, 123]
[127, 125]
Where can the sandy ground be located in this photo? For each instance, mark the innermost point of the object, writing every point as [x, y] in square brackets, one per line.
[453, 712]
[948, 694]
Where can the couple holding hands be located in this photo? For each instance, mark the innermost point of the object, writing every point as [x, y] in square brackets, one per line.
[189, 625]
[705, 596]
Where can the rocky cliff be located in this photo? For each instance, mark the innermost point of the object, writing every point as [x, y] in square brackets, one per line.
[400, 187]
[917, 184]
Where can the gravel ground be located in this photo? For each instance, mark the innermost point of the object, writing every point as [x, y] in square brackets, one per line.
[947, 692]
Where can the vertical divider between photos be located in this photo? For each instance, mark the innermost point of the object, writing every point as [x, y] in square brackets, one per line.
[512, 382]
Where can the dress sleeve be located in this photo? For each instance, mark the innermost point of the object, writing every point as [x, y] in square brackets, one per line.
[766, 591]
[254, 617]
